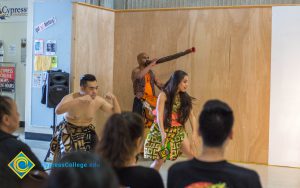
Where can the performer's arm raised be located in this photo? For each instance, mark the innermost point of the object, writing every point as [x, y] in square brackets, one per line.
[107, 107]
[68, 102]
[140, 73]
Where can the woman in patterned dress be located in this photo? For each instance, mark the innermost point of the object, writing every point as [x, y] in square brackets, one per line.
[167, 137]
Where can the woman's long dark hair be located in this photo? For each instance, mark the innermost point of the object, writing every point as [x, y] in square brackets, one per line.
[120, 134]
[170, 90]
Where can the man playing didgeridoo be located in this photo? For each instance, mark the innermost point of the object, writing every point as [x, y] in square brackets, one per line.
[144, 79]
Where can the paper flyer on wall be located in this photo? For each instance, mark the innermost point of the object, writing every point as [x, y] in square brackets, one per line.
[38, 47]
[51, 47]
[54, 62]
[37, 80]
[44, 63]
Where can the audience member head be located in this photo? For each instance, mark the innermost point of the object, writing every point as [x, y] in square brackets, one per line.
[177, 84]
[215, 123]
[88, 85]
[99, 175]
[122, 139]
[9, 115]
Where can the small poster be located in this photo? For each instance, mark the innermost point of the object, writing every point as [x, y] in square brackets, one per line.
[37, 80]
[44, 63]
[7, 78]
[51, 47]
[38, 47]
[53, 62]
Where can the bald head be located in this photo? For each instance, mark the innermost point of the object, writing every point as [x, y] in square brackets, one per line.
[142, 58]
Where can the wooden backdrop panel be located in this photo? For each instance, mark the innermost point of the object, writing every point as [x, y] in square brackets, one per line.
[93, 50]
[232, 63]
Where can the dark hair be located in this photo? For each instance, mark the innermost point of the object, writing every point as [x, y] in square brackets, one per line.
[5, 106]
[101, 175]
[87, 78]
[215, 122]
[170, 90]
[119, 137]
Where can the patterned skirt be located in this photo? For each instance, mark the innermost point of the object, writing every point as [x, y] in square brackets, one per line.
[68, 138]
[153, 149]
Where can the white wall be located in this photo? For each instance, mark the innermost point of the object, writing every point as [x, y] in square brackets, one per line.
[284, 148]
[11, 33]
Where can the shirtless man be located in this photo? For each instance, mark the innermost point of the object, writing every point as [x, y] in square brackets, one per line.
[76, 131]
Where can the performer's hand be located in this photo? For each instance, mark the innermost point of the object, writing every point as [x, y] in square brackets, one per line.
[109, 96]
[86, 99]
[163, 138]
[152, 63]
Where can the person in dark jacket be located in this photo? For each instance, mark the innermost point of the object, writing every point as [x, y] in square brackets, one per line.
[10, 146]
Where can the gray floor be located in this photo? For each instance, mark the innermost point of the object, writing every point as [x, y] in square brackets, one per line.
[271, 176]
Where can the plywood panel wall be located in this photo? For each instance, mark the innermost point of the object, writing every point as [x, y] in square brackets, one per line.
[93, 49]
[232, 63]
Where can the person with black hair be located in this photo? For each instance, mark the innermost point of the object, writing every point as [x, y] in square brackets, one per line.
[121, 142]
[76, 131]
[167, 138]
[82, 169]
[10, 146]
[211, 169]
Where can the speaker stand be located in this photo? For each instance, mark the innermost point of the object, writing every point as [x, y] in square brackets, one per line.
[54, 121]
[53, 126]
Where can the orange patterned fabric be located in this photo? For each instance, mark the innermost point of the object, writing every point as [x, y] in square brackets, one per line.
[174, 121]
[139, 85]
[148, 88]
[174, 114]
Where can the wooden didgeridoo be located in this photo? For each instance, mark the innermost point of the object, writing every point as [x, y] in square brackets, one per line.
[174, 56]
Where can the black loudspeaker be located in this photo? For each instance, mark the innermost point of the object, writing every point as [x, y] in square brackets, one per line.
[57, 87]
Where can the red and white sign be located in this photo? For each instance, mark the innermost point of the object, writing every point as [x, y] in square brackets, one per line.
[7, 78]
